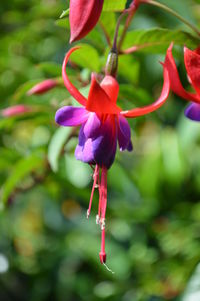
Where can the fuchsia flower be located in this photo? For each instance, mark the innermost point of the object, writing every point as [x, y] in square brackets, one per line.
[103, 124]
[83, 16]
[43, 87]
[15, 110]
[192, 65]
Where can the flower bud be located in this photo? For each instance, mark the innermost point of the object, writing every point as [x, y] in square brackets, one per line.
[43, 87]
[112, 63]
[15, 110]
[83, 16]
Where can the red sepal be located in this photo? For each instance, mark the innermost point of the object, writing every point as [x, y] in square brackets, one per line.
[98, 101]
[70, 87]
[192, 64]
[175, 82]
[155, 105]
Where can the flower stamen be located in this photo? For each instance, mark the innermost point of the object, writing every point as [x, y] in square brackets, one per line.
[95, 178]
[103, 200]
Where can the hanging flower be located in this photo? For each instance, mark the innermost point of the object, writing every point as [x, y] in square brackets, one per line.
[83, 16]
[192, 65]
[103, 125]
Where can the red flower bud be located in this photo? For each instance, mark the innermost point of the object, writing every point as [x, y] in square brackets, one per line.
[15, 110]
[83, 16]
[43, 87]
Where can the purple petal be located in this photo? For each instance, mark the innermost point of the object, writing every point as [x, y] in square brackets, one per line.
[104, 150]
[124, 134]
[130, 146]
[92, 125]
[193, 112]
[84, 151]
[71, 116]
[104, 146]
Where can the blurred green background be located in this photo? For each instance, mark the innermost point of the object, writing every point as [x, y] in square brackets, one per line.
[48, 249]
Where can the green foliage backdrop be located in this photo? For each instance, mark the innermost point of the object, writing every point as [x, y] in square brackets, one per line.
[48, 249]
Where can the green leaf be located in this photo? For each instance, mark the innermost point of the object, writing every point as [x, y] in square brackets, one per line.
[157, 40]
[117, 5]
[23, 89]
[22, 168]
[172, 157]
[108, 20]
[131, 96]
[129, 68]
[50, 68]
[78, 173]
[56, 145]
[87, 57]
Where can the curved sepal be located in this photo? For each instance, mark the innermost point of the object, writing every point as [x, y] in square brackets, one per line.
[155, 105]
[175, 82]
[70, 87]
[192, 64]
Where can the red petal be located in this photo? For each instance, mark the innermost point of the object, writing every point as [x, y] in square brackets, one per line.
[70, 87]
[83, 16]
[155, 105]
[175, 82]
[192, 64]
[98, 101]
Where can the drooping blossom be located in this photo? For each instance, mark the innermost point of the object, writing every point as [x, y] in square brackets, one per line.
[103, 125]
[43, 87]
[15, 110]
[83, 16]
[192, 65]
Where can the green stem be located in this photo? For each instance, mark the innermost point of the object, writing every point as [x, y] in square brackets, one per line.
[114, 46]
[172, 12]
[128, 21]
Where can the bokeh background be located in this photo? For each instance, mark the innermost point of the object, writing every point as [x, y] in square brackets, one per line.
[48, 249]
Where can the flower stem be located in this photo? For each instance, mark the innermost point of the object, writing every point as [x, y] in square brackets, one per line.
[128, 21]
[114, 47]
[172, 12]
[105, 33]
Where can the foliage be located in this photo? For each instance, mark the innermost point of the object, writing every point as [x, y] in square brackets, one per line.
[48, 249]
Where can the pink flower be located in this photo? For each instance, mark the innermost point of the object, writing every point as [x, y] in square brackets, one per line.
[43, 87]
[15, 110]
[103, 126]
[192, 65]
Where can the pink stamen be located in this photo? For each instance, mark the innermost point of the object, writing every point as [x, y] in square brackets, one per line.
[102, 254]
[100, 218]
[100, 197]
[103, 199]
[95, 178]
[104, 191]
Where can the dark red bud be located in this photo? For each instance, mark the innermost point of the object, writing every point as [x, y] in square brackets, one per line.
[83, 16]
[43, 87]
